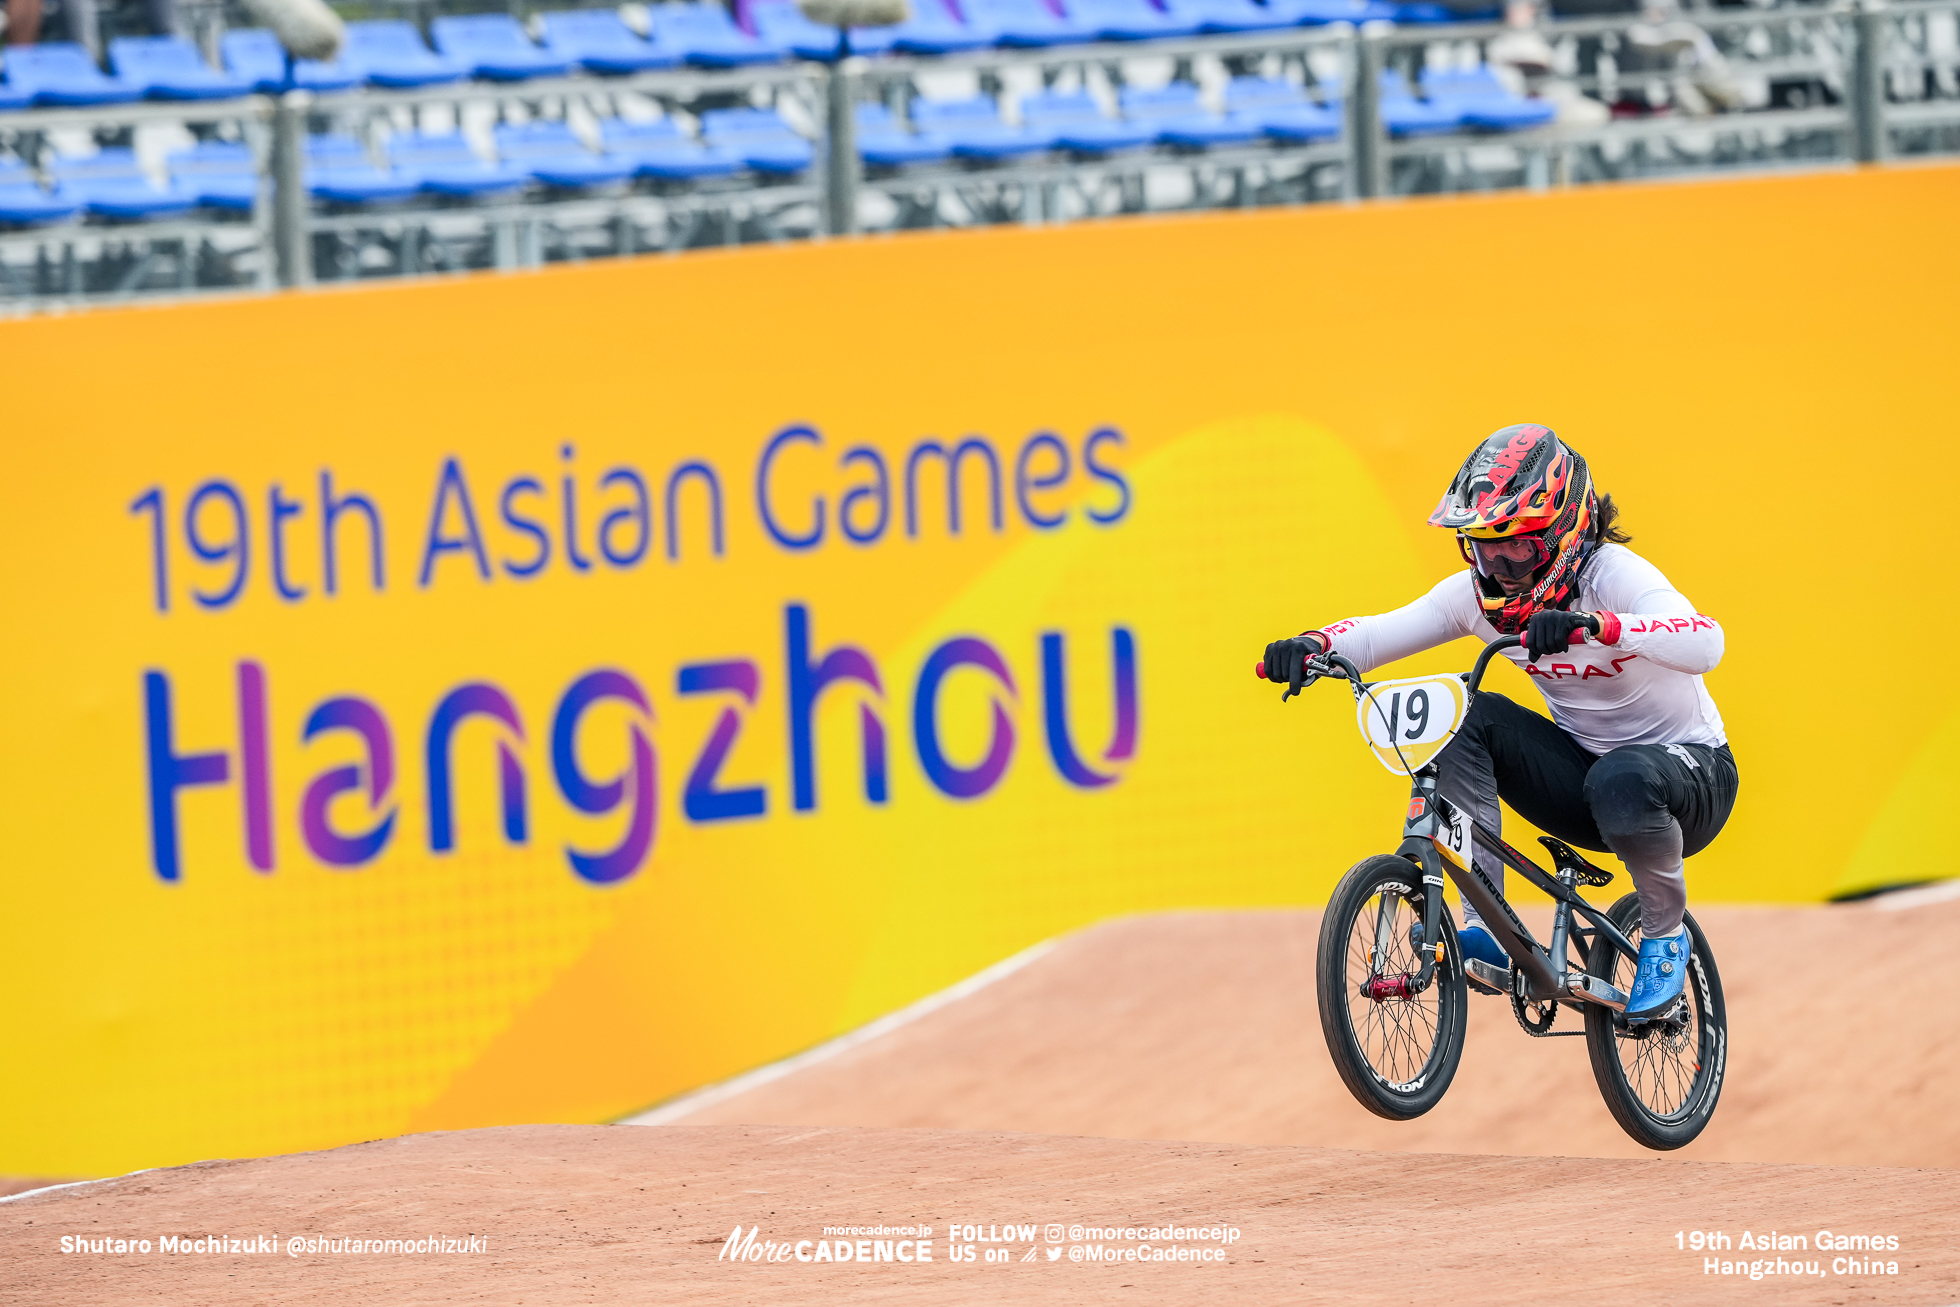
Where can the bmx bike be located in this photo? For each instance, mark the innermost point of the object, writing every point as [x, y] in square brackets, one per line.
[1393, 983]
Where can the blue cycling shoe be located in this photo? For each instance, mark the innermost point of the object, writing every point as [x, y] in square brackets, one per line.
[1486, 967]
[1663, 975]
[1479, 945]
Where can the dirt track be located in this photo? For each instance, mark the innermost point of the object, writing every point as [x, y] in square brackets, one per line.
[621, 1214]
[1203, 1026]
[1197, 1026]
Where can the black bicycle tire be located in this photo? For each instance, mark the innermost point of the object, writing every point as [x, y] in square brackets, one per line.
[1643, 1125]
[1331, 980]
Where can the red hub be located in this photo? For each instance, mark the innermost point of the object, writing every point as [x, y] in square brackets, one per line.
[1380, 989]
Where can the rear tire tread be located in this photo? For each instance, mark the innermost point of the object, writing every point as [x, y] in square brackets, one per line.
[1643, 1125]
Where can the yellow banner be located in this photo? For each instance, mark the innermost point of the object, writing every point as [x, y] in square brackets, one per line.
[526, 698]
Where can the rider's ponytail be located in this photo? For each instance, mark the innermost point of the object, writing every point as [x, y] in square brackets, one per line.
[1606, 523]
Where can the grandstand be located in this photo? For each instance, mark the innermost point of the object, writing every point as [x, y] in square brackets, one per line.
[444, 140]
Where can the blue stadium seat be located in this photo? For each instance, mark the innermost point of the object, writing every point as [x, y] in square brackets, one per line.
[1024, 23]
[1312, 13]
[170, 68]
[759, 138]
[256, 55]
[1227, 15]
[110, 184]
[1424, 12]
[389, 52]
[230, 194]
[934, 28]
[779, 22]
[220, 174]
[494, 47]
[1181, 119]
[660, 150]
[1128, 20]
[27, 205]
[704, 34]
[212, 157]
[873, 40]
[119, 161]
[883, 140]
[599, 41]
[553, 154]
[61, 72]
[336, 150]
[972, 129]
[12, 97]
[445, 165]
[338, 170]
[1074, 121]
[24, 204]
[1482, 101]
[1282, 110]
[323, 77]
[1404, 115]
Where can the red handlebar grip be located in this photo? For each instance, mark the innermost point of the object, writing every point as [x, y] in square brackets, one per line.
[1259, 670]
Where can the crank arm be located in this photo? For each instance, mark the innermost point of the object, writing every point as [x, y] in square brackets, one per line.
[1591, 989]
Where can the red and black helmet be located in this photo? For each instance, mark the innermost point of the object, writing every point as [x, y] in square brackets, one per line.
[1523, 509]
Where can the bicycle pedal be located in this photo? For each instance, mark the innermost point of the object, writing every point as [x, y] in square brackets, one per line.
[1565, 858]
[1675, 1013]
[1486, 979]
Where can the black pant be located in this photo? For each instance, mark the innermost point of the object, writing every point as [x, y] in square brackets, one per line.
[1651, 804]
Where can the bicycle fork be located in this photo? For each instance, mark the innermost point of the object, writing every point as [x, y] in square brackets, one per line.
[1418, 846]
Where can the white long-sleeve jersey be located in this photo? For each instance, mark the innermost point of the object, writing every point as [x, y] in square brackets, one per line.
[1645, 688]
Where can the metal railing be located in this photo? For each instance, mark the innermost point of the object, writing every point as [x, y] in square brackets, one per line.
[73, 262]
[1805, 86]
[365, 241]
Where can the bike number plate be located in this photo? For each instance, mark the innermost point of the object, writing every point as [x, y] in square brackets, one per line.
[1453, 830]
[1406, 723]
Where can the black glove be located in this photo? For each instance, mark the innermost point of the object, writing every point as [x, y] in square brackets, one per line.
[1551, 632]
[1286, 660]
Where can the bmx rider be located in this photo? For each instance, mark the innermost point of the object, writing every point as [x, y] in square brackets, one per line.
[1634, 759]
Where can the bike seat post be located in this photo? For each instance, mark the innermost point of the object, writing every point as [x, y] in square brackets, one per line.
[1562, 924]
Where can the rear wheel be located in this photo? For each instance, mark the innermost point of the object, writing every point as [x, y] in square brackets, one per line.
[1660, 1078]
[1396, 1046]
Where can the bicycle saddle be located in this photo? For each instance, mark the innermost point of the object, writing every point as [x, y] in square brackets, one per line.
[1565, 858]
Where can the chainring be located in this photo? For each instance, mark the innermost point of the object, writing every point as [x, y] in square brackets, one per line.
[1534, 1018]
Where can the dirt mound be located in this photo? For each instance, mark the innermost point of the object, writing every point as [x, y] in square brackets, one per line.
[1188, 1026]
[620, 1214]
[1203, 1026]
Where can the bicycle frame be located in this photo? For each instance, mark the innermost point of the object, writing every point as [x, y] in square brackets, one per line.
[1540, 973]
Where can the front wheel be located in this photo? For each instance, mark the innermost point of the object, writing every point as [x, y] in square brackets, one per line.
[1660, 1078]
[1396, 1046]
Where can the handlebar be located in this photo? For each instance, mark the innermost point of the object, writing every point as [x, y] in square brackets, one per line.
[1337, 666]
[1327, 664]
[1491, 650]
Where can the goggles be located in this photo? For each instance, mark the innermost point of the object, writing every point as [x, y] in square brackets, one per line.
[1515, 558]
